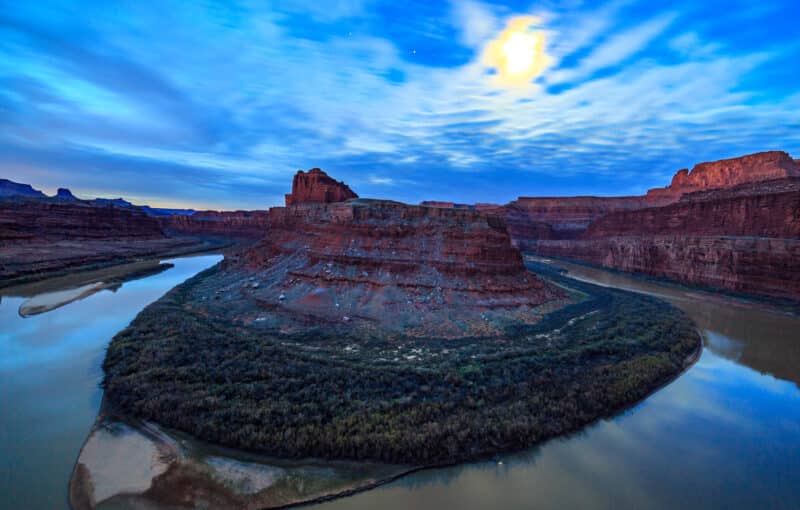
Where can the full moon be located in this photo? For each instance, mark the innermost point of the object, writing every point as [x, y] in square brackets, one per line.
[518, 54]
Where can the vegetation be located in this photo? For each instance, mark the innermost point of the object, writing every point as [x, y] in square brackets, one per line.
[331, 395]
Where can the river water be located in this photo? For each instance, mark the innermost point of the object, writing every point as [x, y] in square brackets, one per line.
[725, 434]
[50, 371]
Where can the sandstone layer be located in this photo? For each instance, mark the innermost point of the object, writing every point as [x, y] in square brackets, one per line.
[726, 173]
[221, 224]
[531, 218]
[732, 224]
[46, 236]
[50, 220]
[378, 264]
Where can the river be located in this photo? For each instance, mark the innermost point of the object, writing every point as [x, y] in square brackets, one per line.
[50, 371]
[725, 434]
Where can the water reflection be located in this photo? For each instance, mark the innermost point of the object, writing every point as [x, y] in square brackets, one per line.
[724, 435]
[50, 368]
[53, 293]
[756, 336]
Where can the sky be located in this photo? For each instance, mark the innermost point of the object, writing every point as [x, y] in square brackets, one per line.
[218, 104]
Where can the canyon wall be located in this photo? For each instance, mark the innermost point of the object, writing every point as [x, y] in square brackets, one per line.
[50, 220]
[764, 266]
[531, 218]
[733, 224]
[225, 224]
[399, 268]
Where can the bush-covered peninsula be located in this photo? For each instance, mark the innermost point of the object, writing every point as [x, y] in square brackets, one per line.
[344, 392]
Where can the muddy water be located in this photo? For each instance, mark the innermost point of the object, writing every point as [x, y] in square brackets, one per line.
[50, 369]
[726, 434]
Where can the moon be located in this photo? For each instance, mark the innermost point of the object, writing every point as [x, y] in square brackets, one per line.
[518, 54]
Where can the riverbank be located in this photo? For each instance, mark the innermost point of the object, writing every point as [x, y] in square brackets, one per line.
[127, 463]
[784, 305]
[27, 262]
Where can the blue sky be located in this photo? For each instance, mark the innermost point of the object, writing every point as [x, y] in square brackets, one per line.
[216, 105]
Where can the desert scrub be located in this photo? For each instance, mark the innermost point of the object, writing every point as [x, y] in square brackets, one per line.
[344, 394]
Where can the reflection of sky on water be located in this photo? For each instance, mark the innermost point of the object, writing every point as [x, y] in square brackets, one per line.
[752, 335]
[50, 368]
[725, 435]
[722, 436]
[70, 331]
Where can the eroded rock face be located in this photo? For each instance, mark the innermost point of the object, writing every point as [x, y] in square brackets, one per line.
[563, 217]
[726, 173]
[317, 187]
[402, 268]
[732, 224]
[223, 224]
[765, 266]
[744, 239]
[48, 220]
[771, 210]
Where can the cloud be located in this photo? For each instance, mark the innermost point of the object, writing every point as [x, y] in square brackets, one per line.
[229, 97]
[476, 21]
[616, 49]
[387, 181]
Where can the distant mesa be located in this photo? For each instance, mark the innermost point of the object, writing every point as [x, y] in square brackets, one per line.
[316, 186]
[478, 206]
[727, 173]
[11, 188]
[65, 194]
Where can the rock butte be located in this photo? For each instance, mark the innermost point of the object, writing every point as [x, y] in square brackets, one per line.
[317, 186]
[378, 263]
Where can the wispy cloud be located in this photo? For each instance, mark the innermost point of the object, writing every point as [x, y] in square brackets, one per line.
[223, 98]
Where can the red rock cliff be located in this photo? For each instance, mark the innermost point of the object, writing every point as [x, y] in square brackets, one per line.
[225, 224]
[732, 224]
[745, 239]
[317, 186]
[726, 173]
[55, 220]
[402, 268]
[531, 219]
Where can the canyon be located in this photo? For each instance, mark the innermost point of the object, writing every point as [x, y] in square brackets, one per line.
[732, 225]
[43, 236]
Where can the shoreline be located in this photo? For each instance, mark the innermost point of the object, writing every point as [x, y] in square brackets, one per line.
[77, 494]
[195, 246]
[777, 304]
